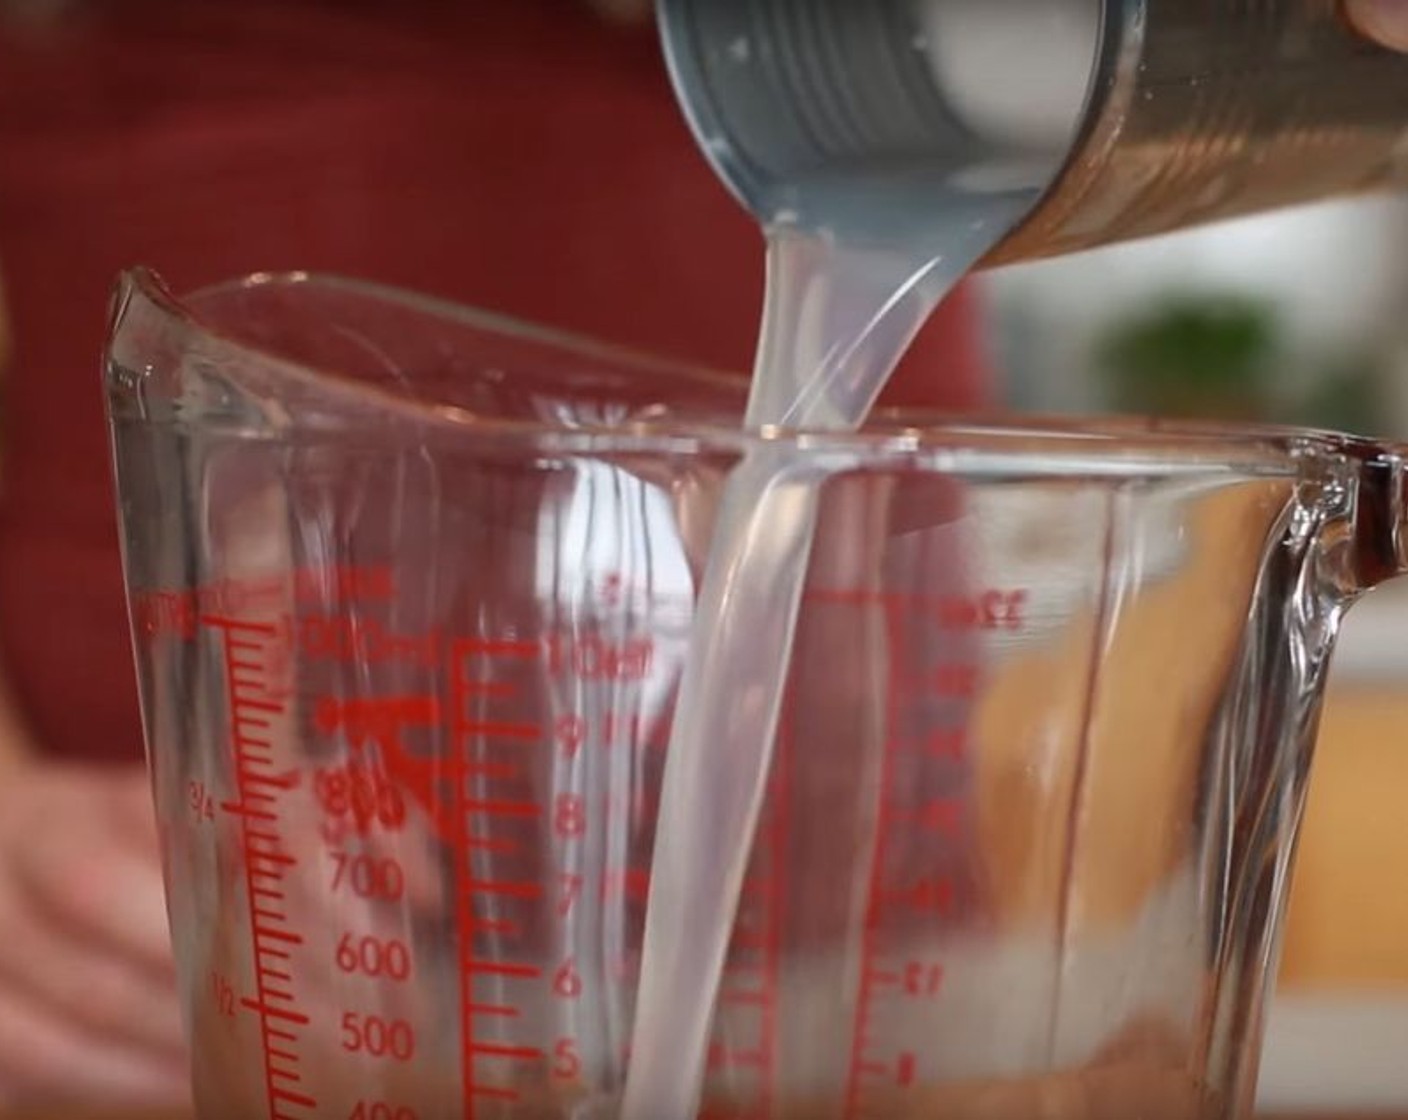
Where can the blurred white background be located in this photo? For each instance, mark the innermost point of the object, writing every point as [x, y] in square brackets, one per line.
[1334, 275]
[1327, 287]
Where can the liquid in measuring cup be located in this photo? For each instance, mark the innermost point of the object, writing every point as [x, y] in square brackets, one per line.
[858, 258]
[843, 303]
[409, 702]
[488, 774]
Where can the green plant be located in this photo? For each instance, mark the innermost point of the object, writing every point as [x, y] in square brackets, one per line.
[1216, 356]
[1193, 355]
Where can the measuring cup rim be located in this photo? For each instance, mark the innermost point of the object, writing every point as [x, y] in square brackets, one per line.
[1117, 440]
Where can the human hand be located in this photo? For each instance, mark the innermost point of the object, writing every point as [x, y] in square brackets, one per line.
[88, 1005]
[1383, 20]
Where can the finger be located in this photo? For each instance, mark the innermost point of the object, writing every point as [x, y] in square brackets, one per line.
[111, 897]
[98, 991]
[109, 998]
[1383, 20]
[44, 1058]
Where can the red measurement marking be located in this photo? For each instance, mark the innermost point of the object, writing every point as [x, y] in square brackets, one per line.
[879, 977]
[359, 795]
[218, 603]
[234, 626]
[490, 844]
[488, 688]
[224, 994]
[904, 1070]
[928, 896]
[527, 732]
[917, 978]
[567, 1064]
[865, 1066]
[242, 809]
[201, 801]
[632, 883]
[721, 1057]
[516, 1053]
[365, 641]
[566, 983]
[265, 1010]
[279, 1096]
[502, 926]
[500, 771]
[496, 808]
[273, 1003]
[942, 816]
[590, 657]
[752, 975]
[511, 889]
[958, 681]
[759, 888]
[371, 584]
[376, 719]
[769, 937]
[498, 1009]
[283, 782]
[992, 609]
[491, 647]
[488, 1092]
[750, 939]
[461, 820]
[383, 721]
[922, 979]
[945, 742]
[263, 934]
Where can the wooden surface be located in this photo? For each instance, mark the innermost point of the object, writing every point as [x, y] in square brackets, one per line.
[1345, 931]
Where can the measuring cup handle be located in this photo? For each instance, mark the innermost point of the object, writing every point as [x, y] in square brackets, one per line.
[1377, 548]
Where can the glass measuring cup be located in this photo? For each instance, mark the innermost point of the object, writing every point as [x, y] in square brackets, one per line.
[410, 590]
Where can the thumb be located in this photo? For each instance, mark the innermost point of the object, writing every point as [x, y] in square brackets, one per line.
[1383, 20]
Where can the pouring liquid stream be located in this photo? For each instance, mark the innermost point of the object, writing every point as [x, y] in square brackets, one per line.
[840, 313]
